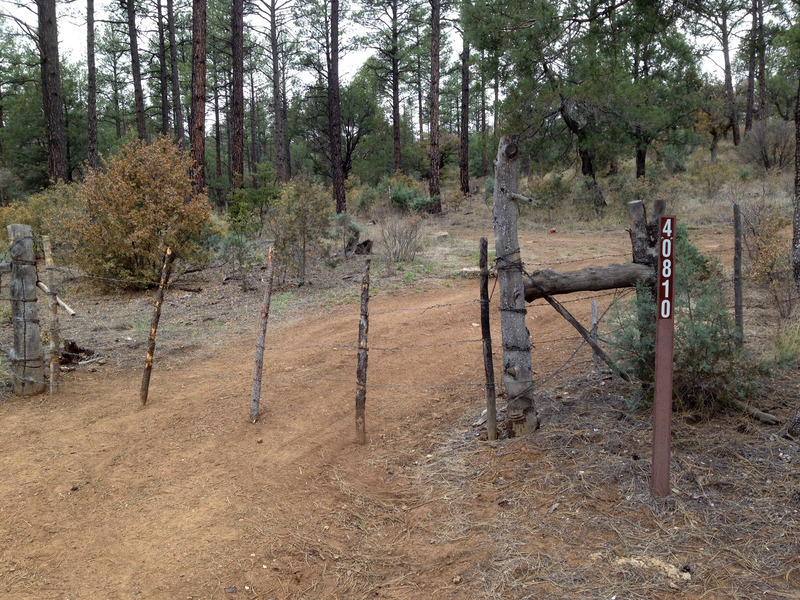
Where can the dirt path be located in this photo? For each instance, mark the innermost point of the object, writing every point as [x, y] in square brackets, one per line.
[186, 498]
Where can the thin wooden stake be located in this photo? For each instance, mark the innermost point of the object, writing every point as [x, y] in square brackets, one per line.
[53, 303]
[737, 274]
[151, 348]
[486, 332]
[255, 399]
[361, 372]
[595, 358]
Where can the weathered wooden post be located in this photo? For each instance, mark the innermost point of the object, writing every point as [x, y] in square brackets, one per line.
[255, 398]
[27, 361]
[151, 347]
[486, 334]
[53, 305]
[517, 367]
[361, 371]
[737, 274]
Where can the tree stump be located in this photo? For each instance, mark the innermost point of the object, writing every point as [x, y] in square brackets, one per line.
[27, 360]
[517, 367]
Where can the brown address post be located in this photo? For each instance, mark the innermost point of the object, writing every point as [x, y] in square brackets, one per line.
[662, 403]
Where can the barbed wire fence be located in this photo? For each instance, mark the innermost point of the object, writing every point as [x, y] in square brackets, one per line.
[573, 341]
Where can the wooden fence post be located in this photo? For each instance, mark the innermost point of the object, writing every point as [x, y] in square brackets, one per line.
[737, 274]
[53, 304]
[27, 360]
[595, 358]
[517, 366]
[151, 348]
[486, 334]
[361, 372]
[255, 399]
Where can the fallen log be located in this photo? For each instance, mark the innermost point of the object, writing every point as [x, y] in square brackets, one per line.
[590, 279]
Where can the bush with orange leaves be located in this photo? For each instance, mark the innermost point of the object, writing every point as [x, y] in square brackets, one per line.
[134, 207]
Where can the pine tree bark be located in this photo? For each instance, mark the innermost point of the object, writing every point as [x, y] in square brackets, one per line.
[796, 222]
[3, 184]
[762, 69]
[730, 98]
[254, 150]
[237, 116]
[177, 109]
[198, 130]
[463, 159]
[163, 80]
[136, 69]
[335, 114]
[395, 50]
[91, 92]
[277, 98]
[751, 69]
[434, 189]
[51, 90]
[517, 366]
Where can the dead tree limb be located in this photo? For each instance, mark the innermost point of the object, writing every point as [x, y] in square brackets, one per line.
[486, 334]
[255, 398]
[361, 370]
[151, 347]
[590, 279]
[585, 334]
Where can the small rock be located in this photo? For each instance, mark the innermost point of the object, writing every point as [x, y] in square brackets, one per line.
[441, 235]
[457, 579]
[260, 441]
[231, 589]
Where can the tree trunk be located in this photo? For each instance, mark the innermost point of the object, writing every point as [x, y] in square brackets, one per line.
[163, 81]
[28, 355]
[51, 90]
[3, 183]
[762, 69]
[277, 97]
[730, 98]
[287, 154]
[463, 162]
[484, 165]
[751, 69]
[584, 280]
[517, 367]
[198, 130]
[335, 114]
[217, 149]
[796, 224]
[398, 156]
[237, 116]
[253, 131]
[177, 111]
[641, 154]
[91, 92]
[434, 190]
[138, 94]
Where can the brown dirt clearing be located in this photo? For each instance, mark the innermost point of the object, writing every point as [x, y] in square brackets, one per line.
[185, 498]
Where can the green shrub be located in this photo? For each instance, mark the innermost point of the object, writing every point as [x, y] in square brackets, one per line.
[299, 218]
[707, 366]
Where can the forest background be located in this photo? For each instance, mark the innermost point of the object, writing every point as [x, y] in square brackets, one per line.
[614, 100]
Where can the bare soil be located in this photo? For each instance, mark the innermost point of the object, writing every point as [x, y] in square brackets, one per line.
[187, 499]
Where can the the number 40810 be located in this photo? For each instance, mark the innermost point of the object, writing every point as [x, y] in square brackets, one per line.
[666, 273]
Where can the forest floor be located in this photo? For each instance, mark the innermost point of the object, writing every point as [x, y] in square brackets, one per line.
[185, 498]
